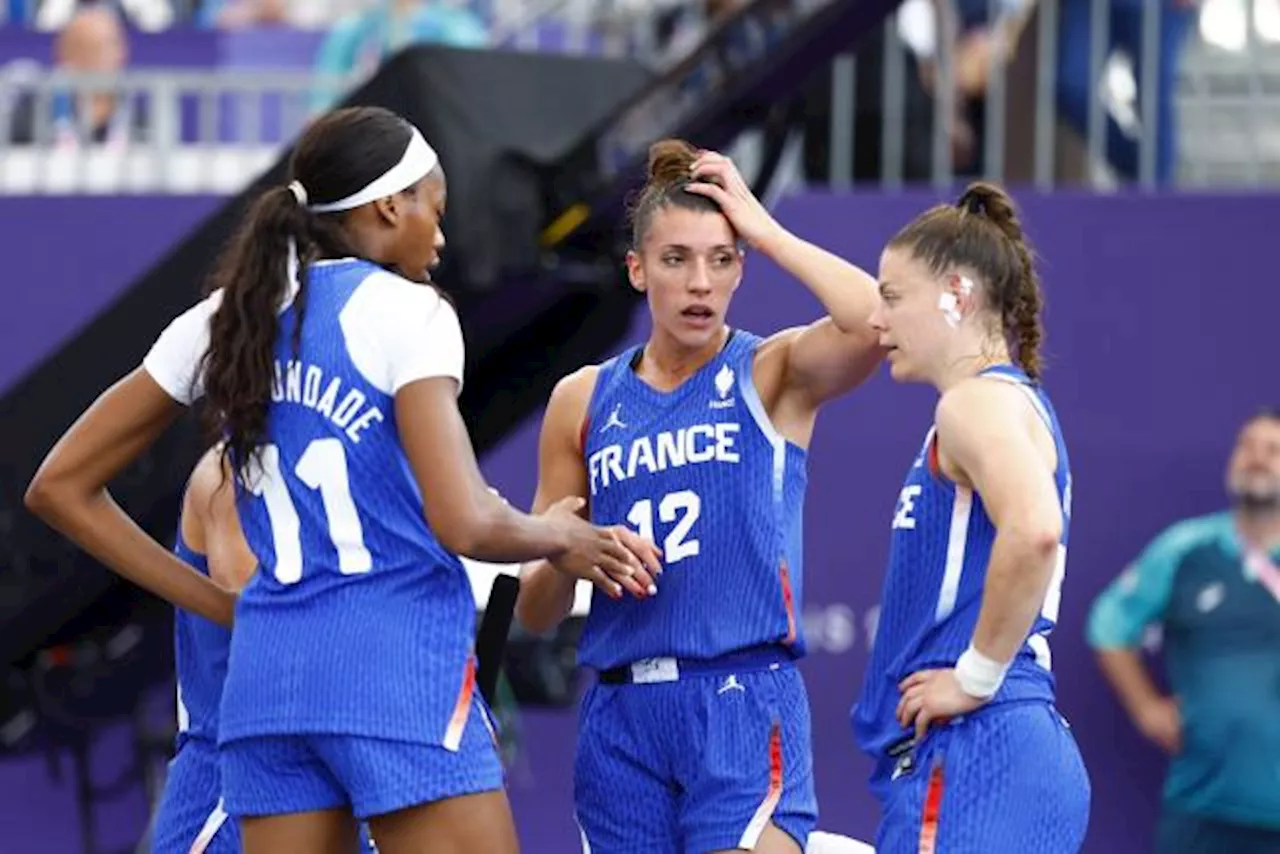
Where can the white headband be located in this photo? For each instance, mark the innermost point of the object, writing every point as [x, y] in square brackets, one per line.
[418, 161]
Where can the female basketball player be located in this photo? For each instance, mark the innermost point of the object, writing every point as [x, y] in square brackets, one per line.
[332, 371]
[190, 816]
[957, 707]
[697, 737]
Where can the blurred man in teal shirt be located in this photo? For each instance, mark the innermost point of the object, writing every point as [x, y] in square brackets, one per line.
[1213, 584]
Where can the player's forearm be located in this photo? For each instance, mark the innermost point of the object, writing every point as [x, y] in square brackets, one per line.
[1129, 677]
[1018, 577]
[98, 525]
[847, 293]
[486, 528]
[546, 597]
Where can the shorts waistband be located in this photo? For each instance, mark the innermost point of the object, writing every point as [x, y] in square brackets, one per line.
[651, 670]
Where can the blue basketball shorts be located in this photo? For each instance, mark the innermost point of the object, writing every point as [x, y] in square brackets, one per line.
[1006, 780]
[190, 818]
[701, 764]
[278, 774]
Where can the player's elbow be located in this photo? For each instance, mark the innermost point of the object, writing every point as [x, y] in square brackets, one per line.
[461, 535]
[44, 495]
[1037, 535]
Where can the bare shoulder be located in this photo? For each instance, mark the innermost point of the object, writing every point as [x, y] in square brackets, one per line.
[571, 396]
[198, 501]
[982, 419]
[207, 477]
[775, 347]
[977, 398]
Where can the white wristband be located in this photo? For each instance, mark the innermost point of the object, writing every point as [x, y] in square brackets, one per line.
[978, 675]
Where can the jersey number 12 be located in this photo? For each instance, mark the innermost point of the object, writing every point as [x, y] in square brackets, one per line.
[681, 507]
[323, 467]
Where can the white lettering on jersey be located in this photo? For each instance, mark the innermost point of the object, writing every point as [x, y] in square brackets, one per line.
[305, 384]
[681, 508]
[902, 518]
[701, 443]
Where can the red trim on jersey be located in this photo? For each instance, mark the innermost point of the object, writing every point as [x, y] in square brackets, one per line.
[932, 809]
[462, 708]
[788, 602]
[935, 466]
[582, 435]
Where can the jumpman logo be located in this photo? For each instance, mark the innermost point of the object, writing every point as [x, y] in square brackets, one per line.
[614, 419]
[731, 682]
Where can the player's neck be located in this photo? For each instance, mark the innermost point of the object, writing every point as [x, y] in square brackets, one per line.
[1259, 528]
[665, 362]
[969, 361]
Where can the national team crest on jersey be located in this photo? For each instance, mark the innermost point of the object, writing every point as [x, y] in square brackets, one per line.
[701, 471]
[724, 385]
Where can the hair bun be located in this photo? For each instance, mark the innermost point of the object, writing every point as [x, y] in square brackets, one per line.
[670, 161]
[988, 200]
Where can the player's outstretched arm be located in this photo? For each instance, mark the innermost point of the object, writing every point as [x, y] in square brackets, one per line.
[211, 523]
[830, 356]
[982, 429]
[467, 517]
[69, 491]
[546, 594]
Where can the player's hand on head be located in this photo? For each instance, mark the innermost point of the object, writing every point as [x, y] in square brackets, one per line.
[933, 696]
[598, 554]
[749, 218]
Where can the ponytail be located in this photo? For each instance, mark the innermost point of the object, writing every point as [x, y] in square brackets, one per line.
[254, 275]
[1020, 301]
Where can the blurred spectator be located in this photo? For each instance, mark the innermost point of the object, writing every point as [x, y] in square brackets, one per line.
[1124, 34]
[301, 14]
[92, 42]
[1214, 586]
[359, 43]
[147, 15]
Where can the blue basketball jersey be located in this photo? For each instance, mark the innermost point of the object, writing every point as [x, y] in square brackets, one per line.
[358, 621]
[200, 650]
[939, 551]
[700, 471]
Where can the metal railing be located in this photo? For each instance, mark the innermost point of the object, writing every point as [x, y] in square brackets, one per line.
[1147, 93]
[174, 131]
[1092, 93]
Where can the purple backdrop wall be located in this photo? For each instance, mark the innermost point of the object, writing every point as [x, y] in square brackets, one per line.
[1150, 382]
